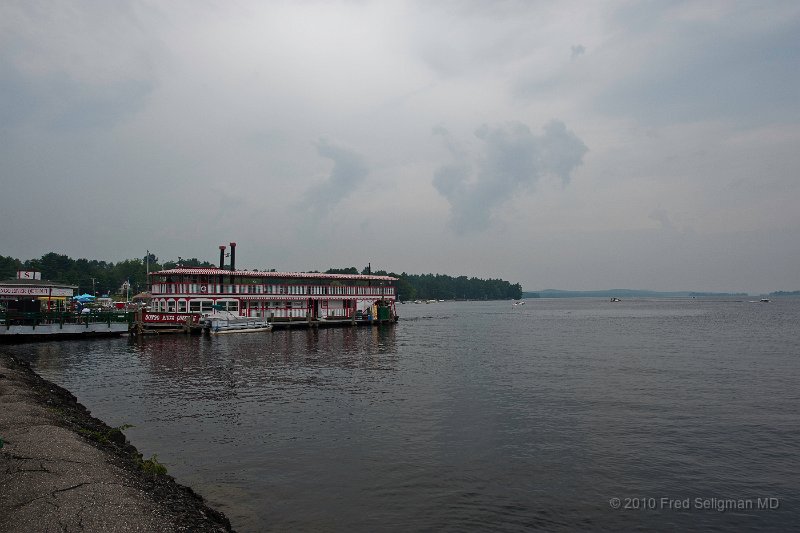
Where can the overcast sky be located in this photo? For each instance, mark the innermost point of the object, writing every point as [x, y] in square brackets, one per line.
[572, 145]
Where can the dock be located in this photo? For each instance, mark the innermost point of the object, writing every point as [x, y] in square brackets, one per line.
[147, 323]
[28, 326]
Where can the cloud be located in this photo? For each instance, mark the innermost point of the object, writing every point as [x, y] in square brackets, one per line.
[678, 66]
[58, 102]
[662, 217]
[107, 102]
[513, 160]
[349, 170]
[70, 68]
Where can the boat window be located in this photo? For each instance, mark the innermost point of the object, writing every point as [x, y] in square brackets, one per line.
[228, 305]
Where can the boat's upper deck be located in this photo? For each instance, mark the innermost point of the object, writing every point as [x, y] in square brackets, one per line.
[248, 283]
[242, 275]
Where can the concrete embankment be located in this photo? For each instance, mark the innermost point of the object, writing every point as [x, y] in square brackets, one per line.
[63, 470]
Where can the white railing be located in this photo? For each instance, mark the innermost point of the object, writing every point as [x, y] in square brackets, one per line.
[272, 289]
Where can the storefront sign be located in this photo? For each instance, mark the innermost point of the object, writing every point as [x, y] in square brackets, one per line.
[33, 291]
[25, 291]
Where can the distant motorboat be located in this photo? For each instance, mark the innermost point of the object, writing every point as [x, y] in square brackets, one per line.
[764, 300]
[519, 303]
[615, 299]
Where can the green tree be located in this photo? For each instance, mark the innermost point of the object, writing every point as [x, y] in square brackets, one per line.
[349, 270]
[106, 277]
[9, 267]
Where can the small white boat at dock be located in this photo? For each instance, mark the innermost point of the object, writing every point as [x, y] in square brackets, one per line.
[222, 322]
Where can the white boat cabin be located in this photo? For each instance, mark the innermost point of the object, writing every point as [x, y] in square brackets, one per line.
[273, 295]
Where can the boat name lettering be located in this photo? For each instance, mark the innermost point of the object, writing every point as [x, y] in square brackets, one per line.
[155, 317]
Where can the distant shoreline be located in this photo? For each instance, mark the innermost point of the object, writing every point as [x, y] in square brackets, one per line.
[635, 293]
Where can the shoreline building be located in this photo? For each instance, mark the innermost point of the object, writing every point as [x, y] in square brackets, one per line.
[29, 293]
[32, 309]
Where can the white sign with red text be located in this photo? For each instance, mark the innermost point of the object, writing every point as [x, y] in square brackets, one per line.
[34, 291]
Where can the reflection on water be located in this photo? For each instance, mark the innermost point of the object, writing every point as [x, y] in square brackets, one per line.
[467, 416]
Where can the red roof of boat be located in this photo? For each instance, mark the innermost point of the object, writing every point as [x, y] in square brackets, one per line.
[260, 274]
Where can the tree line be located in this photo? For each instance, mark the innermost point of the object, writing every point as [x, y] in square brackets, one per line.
[91, 275]
[103, 277]
[444, 287]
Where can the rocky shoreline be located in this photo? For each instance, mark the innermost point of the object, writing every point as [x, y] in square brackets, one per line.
[61, 469]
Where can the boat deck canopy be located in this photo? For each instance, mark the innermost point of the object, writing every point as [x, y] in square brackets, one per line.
[260, 274]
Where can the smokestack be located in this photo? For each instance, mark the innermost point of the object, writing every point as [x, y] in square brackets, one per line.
[222, 256]
[233, 256]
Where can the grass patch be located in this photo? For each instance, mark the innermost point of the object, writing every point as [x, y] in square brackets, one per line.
[153, 467]
[150, 466]
[105, 437]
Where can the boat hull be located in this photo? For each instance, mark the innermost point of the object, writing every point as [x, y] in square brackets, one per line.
[240, 330]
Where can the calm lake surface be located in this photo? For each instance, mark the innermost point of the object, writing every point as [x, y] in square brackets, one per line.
[470, 416]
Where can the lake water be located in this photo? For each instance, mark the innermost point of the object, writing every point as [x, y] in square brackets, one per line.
[470, 416]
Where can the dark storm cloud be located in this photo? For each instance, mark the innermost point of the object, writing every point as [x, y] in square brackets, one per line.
[513, 161]
[349, 170]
